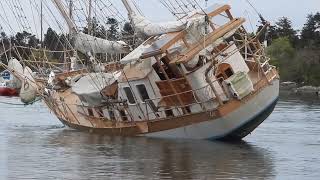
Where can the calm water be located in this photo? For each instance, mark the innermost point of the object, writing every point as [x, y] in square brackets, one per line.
[34, 145]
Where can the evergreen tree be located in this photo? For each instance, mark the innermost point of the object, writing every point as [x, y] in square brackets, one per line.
[97, 29]
[310, 34]
[127, 29]
[112, 32]
[284, 28]
[51, 39]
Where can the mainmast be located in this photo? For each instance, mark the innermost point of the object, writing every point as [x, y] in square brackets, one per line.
[90, 18]
[66, 16]
[41, 24]
[128, 7]
[71, 12]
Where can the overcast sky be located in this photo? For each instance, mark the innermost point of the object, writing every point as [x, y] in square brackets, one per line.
[296, 10]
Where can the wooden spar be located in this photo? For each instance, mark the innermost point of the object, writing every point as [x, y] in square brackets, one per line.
[90, 18]
[229, 14]
[71, 13]
[41, 24]
[219, 10]
[213, 36]
[64, 13]
[128, 7]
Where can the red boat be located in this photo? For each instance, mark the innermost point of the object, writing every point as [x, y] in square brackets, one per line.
[7, 91]
[7, 88]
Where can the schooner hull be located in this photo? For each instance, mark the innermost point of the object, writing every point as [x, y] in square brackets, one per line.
[238, 121]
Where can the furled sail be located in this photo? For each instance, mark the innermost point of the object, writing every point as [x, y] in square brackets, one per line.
[24, 79]
[86, 43]
[148, 28]
[28, 92]
[15, 66]
[89, 44]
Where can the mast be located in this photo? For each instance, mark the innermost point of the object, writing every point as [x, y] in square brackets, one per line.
[128, 7]
[90, 18]
[41, 24]
[64, 13]
[71, 12]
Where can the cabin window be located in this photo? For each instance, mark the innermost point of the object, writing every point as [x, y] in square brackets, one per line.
[228, 72]
[225, 70]
[90, 112]
[129, 95]
[143, 92]
[145, 96]
[169, 113]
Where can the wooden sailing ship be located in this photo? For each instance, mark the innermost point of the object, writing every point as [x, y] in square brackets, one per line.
[202, 77]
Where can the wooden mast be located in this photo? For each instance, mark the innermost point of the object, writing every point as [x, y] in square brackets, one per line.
[41, 24]
[90, 18]
[65, 15]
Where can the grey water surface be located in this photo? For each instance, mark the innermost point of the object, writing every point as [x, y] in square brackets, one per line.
[35, 145]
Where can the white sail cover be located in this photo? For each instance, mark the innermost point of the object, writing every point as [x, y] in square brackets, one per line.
[14, 65]
[88, 88]
[148, 28]
[86, 43]
[17, 69]
[28, 92]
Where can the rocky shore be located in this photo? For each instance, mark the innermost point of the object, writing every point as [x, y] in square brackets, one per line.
[295, 89]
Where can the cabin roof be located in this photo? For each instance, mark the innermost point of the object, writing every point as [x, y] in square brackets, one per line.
[137, 70]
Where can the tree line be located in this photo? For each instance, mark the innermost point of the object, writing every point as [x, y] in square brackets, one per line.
[55, 41]
[296, 52]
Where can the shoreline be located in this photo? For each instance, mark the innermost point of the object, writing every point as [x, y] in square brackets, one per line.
[292, 88]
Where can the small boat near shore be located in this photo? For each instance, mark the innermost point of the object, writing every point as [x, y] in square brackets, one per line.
[7, 85]
[5, 90]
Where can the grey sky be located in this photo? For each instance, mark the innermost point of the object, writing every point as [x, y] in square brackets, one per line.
[296, 10]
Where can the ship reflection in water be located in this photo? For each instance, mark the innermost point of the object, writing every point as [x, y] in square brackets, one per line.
[74, 155]
[286, 146]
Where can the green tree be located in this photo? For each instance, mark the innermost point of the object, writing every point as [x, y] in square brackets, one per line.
[128, 29]
[284, 28]
[113, 31]
[97, 29]
[51, 39]
[282, 55]
[310, 34]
